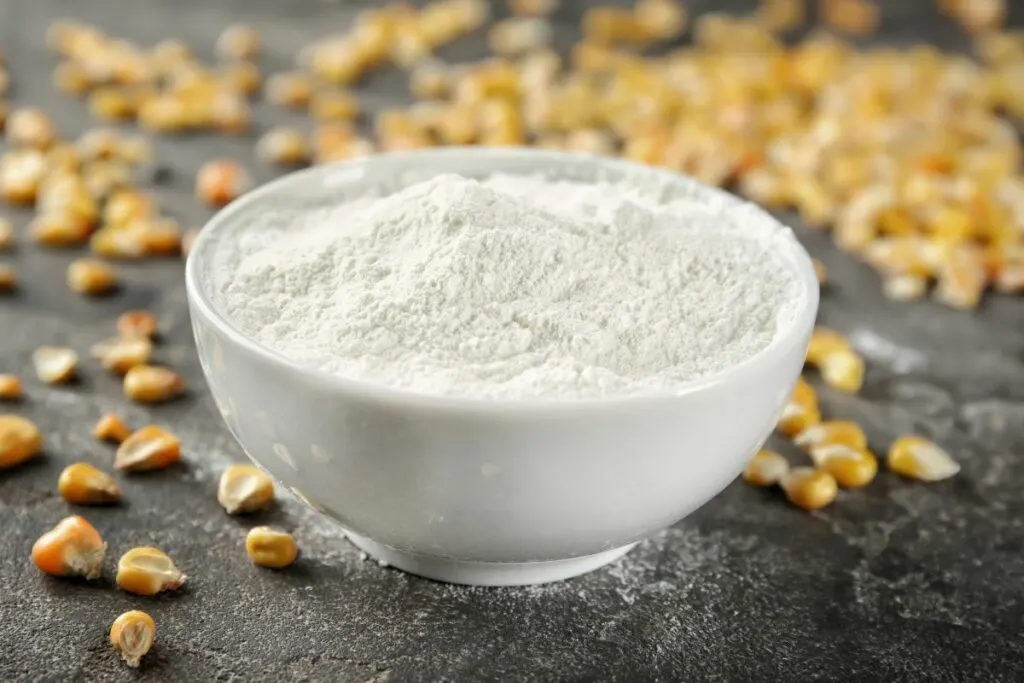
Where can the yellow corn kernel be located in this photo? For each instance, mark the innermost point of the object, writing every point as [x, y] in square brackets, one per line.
[242, 77]
[147, 571]
[291, 89]
[917, 458]
[825, 342]
[854, 17]
[83, 484]
[334, 105]
[899, 256]
[165, 113]
[766, 468]
[30, 127]
[8, 278]
[238, 41]
[6, 234]
[158, 236]
[220, 181]
[125, 206]
[976, 16]
[801, 410]
[10, 388]
[72, 548]
[962, 278]
[430, 80]
[91, 277]
[611, 25]
[852, 467]
[72, 78]
[132, 634]
[104, 176]
[663, 19]
[832, 433]
[20, 441]
[58, 229]
[843, 370]
[809, 488]
[244, 489]
[118, 243]
[269, 547]
[904, 287]
[137, 325]
[21, 172]
[284, 147]
[517, 35]
[781, 15]
[230, 113]
[114, 104]
[111, 428]
[55, 364]
[533, 8]
[152, 384]
[148, 448]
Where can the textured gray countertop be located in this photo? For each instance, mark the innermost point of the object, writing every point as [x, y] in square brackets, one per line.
[896, 582]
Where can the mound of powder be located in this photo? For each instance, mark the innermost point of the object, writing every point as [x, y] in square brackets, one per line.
[513, 287]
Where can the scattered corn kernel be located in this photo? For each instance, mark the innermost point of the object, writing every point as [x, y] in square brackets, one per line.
[58, 229]
[220, 182]
[843, 370]
[269, 547]
[291, 89]
[824, 343]
[237, 42]
[20, 441]
[72, 78]
[244, 488]
[10, 388]
[111, 428]
[518, 35]
[855, 17]
[132, 634]
[148, 448]
[533, 8]
[8, 278]
[801, 411]
[242, 77]
[284, 147]
[21, 172]
[904, 287]
[6, 234]
[125, 206]
[147, 571]
[809, 488]
[852, 467]
[137, 324]
[152, 384]
[91, 277]
[55, 364]
[82, 484]
[30, 127]
[334, 105]
[918, 458]
[72, 548]
[832, 433]
[766, 468]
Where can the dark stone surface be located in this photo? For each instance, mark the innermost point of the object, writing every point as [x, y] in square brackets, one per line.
[897, 582]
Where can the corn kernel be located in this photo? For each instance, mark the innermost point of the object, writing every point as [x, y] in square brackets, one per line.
[120, 354]
[58, 229]
[854, 17]
[8, 279]
[111, 428]
[976, 15]
[244, 489]
[219, 182]
[612, 25]
[242, 77]
[781, 15]
[72, 548]
[6, 234]
[91, 277]
[147, 448]
[843, 370]
[230, 113]
[766, 468]
[269, 547]
[152, 384]
[290, 89]
[284, 147]
[918, 458]
[20, 441]
[809, 488]
[518, 35]
[10, 388]
[832, 433]
[118, 243]
[820, 271]
[824, 343]
[238, 42]
[82, 484]
[165, 113]
[147, 571]
[533, 8]
[663, 19]
[114, 104]
[55, 364]
[21, 173]
[904, 287]
[962, 279]
[30, 127]
[334, 105]
[132, 634]
[127, 205]
[852, 467]
[137, 324]
[72, 78]
[801, 411]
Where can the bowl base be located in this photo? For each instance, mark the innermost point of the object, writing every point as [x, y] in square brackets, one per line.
[486, 573]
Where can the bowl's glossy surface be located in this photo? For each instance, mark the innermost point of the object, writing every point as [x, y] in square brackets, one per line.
[499, 492]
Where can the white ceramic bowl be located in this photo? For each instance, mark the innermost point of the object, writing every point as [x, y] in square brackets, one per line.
[485, 492]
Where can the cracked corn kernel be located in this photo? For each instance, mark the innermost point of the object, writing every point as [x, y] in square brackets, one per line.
[917, 458]
[10, 388]
[20, 440]
[148, 448]
[30, 127]
[809, 488]
[852, 467]
[136, 324]
[219, 182]
[121, 354]
[8, 278]
[82, 484]
[801, 411]
[147, 571]
[237, 42]
[269, 547]
[111, 428]
[244, 488]
[292, 89]
[766, 468]
[132, 635]
[832, 433]
[843, 371]
[91, 277]
[72, 548]
[152, 384]
[55, 364]
[284, 147]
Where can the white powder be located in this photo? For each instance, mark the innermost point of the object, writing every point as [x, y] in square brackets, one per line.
[515, 287]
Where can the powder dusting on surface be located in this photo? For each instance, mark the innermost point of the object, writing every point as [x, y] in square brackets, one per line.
[513, 287]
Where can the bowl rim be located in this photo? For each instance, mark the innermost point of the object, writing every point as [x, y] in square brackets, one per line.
[793, 333]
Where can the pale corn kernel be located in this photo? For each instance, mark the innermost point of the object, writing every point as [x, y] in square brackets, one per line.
[284, 147]
[843, 370]
[781, 15]
[118, 243]
[148, 448]
[120, 354]
[20, 440]
[854, 17]
[152, 384]
[825, 342]
[55, 364]
[127, 205]
[801, 411]
[91, 277]
[30, 127]
[334, 105]
[237, 42]
[904, 287]
[244, 489]
[820, 271]
[518, 35]
[242, 77]
[21, 172]
[111, 428]
[165, 113]
[6, 234]
[809, 488]
[147, 571]
[977, 15]
[8, 279]
[663, 19]
[230, 113]
[533, 8]
[852, 467]
[430, 79]
[832, 433]
[269, 547]
[917, 458]
[104, 176]
[290, 89]
[72, 548]
[766, 468]
[539, 69]
[132, 634]
[10, 388]
[170, 53]
[221, 181]
[82, 484]
[58, 229]
[137, 324]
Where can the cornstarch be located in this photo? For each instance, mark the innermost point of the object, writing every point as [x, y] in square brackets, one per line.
[514, 287]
